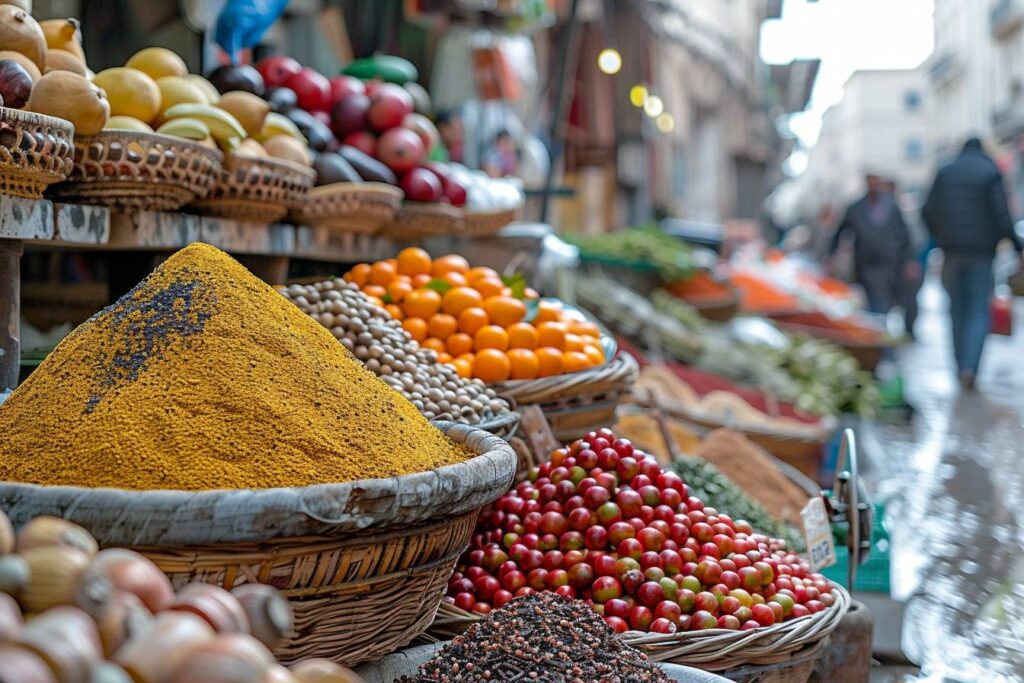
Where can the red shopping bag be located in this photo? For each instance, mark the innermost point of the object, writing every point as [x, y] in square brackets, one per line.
[1002, 315]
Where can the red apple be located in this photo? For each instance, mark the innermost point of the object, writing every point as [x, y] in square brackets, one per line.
[425, 128]
[343, 86]
[349, 115]
[401, 150]
[311, 88]
[363, 140]
[277, 69]
[390, 104]
[420, 185]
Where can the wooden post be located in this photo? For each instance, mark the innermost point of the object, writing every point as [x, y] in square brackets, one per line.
[10, 296]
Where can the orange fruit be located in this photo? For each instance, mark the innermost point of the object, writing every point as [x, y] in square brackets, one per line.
[376, 301]
[490, 337]
[488, 286]
[531, 293]
[574, 342]
[454, 279]
[434, 344]
[467, 356]
[584, 328]
[472, 319]
[459, 343]
[444, 357]
[547, 312]
[572, 361]
[549, 361]
[396, 311]
[505, 310]
[375, 291]
[448, 264]
[473, 274]
[421, 303]
[550, 334]
[463, 367]
[360, 274]
[594, 353]
[403, 278]
[442, 325]
[458, 299]
[382, 273]
[416, 327]
[525, 364]
[420, 281]
[398, 290]
[522, 336]
[414, 261]
[492, 365]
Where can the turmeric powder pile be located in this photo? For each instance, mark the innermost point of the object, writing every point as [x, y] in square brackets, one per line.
[203, 377]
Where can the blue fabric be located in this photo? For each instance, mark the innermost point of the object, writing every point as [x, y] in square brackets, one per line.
[969, 281]
[242, 23]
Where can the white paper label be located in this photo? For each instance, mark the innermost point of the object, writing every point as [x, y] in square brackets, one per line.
[821, 549]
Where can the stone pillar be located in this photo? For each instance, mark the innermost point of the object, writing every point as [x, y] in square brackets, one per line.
[10, 306]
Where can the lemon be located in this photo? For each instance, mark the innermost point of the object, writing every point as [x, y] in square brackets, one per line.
[157, 62]
[127, 123]
[205, 86]
[177, 90]
[130, 92]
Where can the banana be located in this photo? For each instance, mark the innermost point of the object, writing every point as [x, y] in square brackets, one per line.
[188, 128]
[279, 124]
[224, 127]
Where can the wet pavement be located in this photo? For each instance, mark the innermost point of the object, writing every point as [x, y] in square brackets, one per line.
[953, 481]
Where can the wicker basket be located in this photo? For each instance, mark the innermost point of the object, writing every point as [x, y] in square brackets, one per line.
[257, 190]
[364, 563]
[783, 653]
[576, 402]
[487, 223]
[35, 152]
[139, 171]
[418, 220]
[361, 208]
[502, 425]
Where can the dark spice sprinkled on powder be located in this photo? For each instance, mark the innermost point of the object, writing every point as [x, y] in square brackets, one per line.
[542, 638]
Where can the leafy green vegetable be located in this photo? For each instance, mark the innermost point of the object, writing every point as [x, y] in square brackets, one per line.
[644, 247]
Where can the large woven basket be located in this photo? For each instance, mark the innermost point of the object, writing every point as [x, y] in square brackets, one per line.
[487, 223]
[364, 563]
[257, 190]
[783, 653]
[35, 152]
[360, 208]
[132, 171]
[576, 402]
[418, 220]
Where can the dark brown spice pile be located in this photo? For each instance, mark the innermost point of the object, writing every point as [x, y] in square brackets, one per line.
[542, 638]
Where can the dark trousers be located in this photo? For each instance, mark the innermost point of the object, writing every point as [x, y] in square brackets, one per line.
[908, 295]
[879, 283]
[968, 279]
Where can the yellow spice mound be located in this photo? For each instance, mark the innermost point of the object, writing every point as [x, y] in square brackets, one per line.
[203, 377]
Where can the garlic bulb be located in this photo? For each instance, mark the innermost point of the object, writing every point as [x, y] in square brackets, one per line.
[270, 614]
[155, 654]
[10, 618]
[14, 573]
[324, 671]
[279, 674]
[219, 608]
[54, 572]
[67, 639]
[47, 531]
[229, 658]
[121, 618]
[129, 571]
[19, 665]
[108, 672]
[6, 535]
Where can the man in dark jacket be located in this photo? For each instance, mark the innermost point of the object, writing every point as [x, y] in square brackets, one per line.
[968, 216]
[881, 244]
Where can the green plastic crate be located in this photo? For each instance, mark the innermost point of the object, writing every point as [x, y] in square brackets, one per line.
[873, 575]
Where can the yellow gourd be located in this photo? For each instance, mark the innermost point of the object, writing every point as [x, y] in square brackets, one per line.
[63, 34]
[69, 96]
[62, 60]
[21, 33]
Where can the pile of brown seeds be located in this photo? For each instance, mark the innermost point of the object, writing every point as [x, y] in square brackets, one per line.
[379, 341]
[541, 638]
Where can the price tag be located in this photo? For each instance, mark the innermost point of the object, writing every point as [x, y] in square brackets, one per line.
[818, 533]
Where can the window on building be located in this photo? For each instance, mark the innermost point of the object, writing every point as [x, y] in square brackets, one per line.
[912, 100]
[913, 149]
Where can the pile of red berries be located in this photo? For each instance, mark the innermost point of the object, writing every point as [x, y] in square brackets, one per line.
[602, 521]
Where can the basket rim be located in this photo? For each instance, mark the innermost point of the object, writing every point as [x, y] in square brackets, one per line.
[168, 517]
[110, 135]
[332, 189]
[233, 158]
[31, 117]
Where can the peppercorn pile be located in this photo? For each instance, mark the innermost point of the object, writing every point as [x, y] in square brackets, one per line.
[374, 337]
[544, 638]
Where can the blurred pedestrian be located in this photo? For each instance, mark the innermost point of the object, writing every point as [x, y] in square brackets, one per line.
[912, 275]
[501, 159]
[453, 134]
[968, 215]
[881, 244]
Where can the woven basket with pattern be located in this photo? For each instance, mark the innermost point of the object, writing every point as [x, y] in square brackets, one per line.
[257, 190]
[139, 171]
[487, 223]
[576, 402]
[35, 152]
[361, 208]
[418, 220]
[364, 564]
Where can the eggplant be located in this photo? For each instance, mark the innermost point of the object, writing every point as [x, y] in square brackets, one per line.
[367, 167]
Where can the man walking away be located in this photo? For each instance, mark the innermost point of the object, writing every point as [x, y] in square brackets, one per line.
[967, 215]
[881, 244]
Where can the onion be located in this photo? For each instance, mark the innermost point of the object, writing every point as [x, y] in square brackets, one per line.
[219, 608]
[230, 658]
[6, 535]
[122, 618]
[54, 573]
[46, 531]
[14, 573]
[20, 665]
[67, 639]
[270, 614]
[156, 653]
[108, 672]
[133, 573]
[279, 674]
[324, 671]
[10, 618]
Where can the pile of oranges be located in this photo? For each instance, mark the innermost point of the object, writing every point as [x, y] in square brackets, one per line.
[472, 319]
